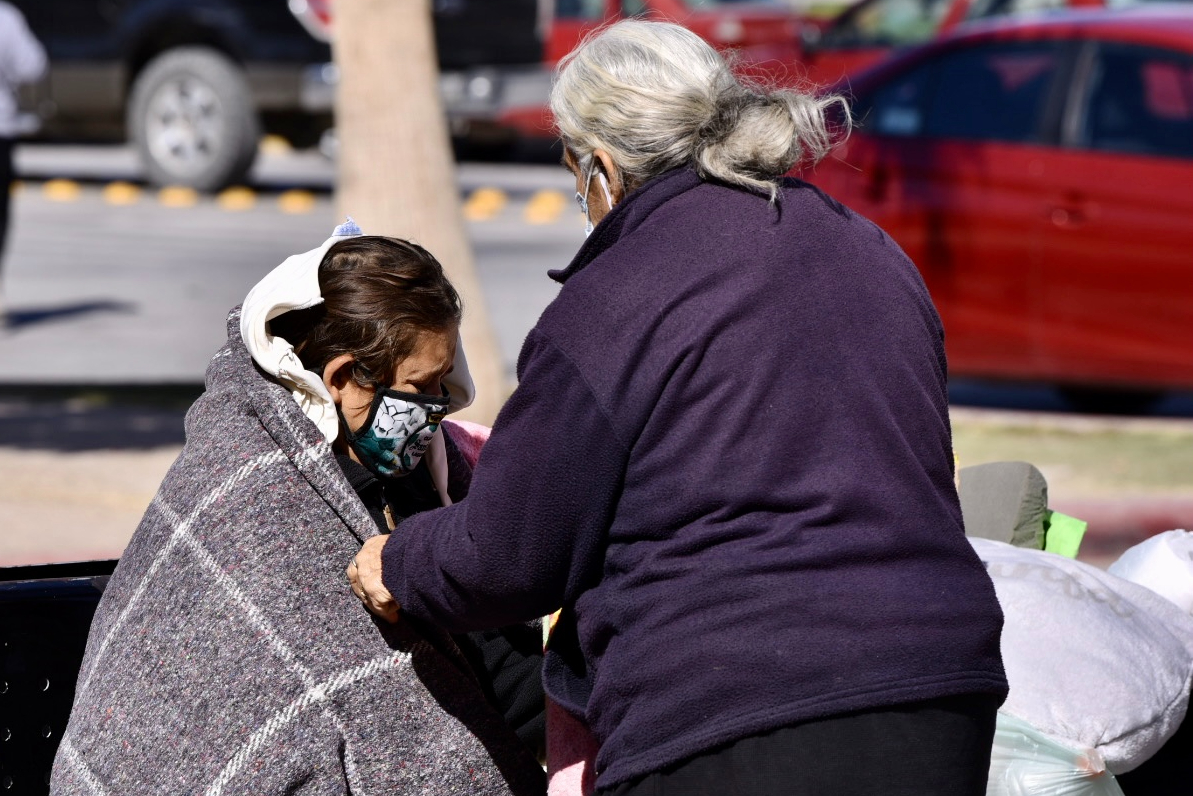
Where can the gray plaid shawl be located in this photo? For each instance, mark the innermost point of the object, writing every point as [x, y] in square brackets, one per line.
[228, 655]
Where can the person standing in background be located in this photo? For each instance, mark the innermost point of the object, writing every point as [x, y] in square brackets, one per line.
[22, 60]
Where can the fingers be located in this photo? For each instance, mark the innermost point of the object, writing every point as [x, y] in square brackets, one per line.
[364, 576]
[382, 605]
[353, 574]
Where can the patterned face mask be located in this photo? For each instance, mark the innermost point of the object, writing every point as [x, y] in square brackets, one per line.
[398, 431]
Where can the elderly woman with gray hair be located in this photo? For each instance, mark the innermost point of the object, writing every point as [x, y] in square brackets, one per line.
[728, 461]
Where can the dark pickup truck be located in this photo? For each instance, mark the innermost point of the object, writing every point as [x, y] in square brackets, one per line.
[194, 83]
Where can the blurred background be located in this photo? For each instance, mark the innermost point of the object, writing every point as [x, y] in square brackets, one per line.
[1034, 157]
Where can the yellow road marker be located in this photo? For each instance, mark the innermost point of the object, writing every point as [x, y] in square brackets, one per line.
[273, 145]
[236, 198]
[121, 193]
[296, 202]
[178, 196]
[545, 207]
[61, 190]
[484, 204]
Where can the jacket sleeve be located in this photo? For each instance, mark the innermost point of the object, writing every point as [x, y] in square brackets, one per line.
[22, 58]
[532, 532]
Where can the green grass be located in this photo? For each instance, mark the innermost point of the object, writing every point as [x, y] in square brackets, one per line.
[1082, 457]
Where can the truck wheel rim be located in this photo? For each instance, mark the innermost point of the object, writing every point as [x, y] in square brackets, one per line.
[182, 126]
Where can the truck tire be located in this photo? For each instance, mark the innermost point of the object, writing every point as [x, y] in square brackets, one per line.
[192, 119]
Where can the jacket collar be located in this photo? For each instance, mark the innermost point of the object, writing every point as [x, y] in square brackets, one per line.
[629, 213]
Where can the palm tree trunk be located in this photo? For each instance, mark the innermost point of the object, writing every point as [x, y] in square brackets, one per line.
[396, 175]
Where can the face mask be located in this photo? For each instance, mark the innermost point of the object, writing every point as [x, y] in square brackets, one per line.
[582, 199]
[398, 431]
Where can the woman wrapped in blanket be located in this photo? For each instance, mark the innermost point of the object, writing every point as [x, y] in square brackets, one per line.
[227, 655]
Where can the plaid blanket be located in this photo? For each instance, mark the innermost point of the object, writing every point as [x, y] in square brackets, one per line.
[228, 655]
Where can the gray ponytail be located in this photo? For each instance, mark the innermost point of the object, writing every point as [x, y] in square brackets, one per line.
[656, 96]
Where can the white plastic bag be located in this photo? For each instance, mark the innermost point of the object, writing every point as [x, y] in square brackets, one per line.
[1093, 660]
[1025, 762]
[1162, 563]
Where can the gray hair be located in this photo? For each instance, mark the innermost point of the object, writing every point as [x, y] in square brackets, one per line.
[656, 96]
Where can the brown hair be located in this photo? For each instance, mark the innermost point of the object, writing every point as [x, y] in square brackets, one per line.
[378, 294]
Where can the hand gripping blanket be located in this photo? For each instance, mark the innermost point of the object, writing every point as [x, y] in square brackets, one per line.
[229, 656]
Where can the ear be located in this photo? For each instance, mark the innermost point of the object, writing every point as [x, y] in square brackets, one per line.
[616, 183]
[337, 375]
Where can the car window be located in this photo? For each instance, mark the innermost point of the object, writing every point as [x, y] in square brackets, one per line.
[636, 8]
[718, 3]
[1139, 100]
[886, 23]
[980, 9]
[580, 9]
[898, 108]
[994, 92]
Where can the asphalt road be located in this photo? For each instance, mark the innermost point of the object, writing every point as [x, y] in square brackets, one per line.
[107, 281]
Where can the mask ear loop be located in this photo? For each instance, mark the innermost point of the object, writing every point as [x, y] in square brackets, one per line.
[605, 188]
[582, 200]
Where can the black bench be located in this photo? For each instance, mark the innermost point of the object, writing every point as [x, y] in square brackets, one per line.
[45, 614]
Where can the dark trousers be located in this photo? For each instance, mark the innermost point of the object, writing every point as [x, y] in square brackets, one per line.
[1169, 772]
[934, 748]
[6, 178]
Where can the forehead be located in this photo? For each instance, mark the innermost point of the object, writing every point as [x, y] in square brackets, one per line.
[432, 355]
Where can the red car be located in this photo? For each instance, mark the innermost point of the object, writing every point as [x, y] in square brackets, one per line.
[870, 30]
[1040, 174]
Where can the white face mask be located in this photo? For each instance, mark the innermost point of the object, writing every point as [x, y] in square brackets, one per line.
[582, 199]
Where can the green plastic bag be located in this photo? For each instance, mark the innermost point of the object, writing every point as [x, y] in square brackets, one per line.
[1063, 534]
[1025, 762]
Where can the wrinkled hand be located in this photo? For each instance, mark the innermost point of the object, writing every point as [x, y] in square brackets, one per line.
[364, 573]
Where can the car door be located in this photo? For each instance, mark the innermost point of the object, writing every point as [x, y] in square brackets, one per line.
[950, 164]
[1117, 263]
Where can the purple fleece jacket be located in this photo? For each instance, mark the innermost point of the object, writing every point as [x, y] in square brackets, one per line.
[729, 457]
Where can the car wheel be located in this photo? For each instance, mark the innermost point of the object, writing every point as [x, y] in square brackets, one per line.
[192, 119]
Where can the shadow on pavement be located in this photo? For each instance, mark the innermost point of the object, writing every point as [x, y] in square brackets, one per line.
[31, 316]
[73, 419]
